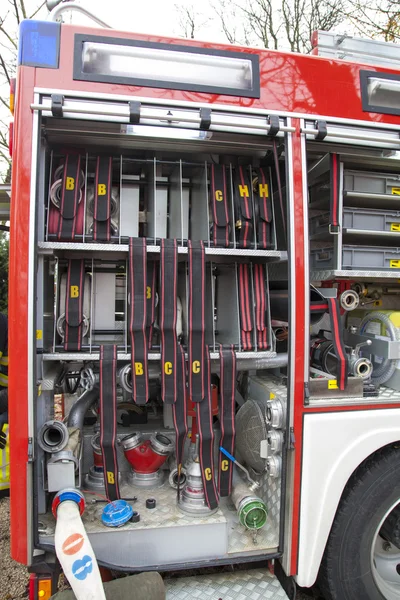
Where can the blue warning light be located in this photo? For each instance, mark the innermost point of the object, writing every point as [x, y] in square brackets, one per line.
[39, 44]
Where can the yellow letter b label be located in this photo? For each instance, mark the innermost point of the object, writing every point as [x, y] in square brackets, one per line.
[69, 183]
[101, 189]
[138, 368]
[74, 291]
[110, 477]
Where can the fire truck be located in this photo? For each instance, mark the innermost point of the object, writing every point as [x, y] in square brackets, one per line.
[204, 314]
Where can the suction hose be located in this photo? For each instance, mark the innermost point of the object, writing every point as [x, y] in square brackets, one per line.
[73, 548]
[78, 411]
[386, 369]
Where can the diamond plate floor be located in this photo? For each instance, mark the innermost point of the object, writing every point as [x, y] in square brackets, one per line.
[254, 584]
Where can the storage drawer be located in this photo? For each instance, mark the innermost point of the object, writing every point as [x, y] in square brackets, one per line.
[372, 183]
[357, 257]
[360, 218]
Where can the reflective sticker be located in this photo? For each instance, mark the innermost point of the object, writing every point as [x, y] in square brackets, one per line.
[396, 191]
[394, 226]
[39, 334]
[332, 384]
[82, 567]
[271, 395]
[73, 544]
[395, 264]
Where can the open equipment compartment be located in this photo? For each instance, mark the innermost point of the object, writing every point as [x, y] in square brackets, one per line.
[160, 190]
[354, 259]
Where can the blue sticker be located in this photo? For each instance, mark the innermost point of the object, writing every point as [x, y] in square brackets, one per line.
[82, 567]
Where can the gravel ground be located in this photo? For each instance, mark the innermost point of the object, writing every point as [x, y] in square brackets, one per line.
[14, 577]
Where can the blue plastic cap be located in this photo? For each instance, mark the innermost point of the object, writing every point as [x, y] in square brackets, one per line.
[117, 513]
[39, 44]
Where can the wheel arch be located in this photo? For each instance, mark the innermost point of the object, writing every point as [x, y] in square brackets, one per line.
[334, 447]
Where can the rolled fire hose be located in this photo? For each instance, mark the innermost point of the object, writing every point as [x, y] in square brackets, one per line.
[73, 548]
[386, 369]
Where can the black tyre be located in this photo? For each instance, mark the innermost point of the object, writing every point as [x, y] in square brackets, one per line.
[359, 562]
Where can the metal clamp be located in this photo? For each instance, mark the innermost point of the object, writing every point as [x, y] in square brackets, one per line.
[134, 112]
[274, 125]
[205, 119]
[57, 101]
[322, 130]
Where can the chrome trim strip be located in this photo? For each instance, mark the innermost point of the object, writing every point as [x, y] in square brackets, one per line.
[306, 253]
[229, 108]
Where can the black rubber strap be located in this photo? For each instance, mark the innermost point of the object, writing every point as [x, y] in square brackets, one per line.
[245, 301]
[151, 295]
[138, 318]
[219, 204]
[244, 208]
[334, 193]
[196, 318]
[278, 183]
[227, 417]
[319, 306]
[168, 313]
[74, 296]
[338, 343]
[262, 201]
[108, 419]
[261, 306]
[102, 199]
[206, 434]
[179, 411]
[70, 194]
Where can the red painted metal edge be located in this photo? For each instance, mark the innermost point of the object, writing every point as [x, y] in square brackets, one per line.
[18, 313]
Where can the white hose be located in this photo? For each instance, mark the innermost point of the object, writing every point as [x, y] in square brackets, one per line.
[386, 369]
[75, 553]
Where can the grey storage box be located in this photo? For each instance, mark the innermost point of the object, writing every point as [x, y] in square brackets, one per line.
[372, 183]
[357, 257]
[360, 218]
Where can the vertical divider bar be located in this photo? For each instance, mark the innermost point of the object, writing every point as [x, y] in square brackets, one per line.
[207, 189]
[48, 195]
[213, 284]
[85, 198]
[271, 193]
[91, 309]
[268, 315]
[253, 209]
[126, 307]
[155, 199]
[232, 206]
[252, 305]
[120, 196]
[339, 240]
[239, 328]
[182, 212]
[56, 301]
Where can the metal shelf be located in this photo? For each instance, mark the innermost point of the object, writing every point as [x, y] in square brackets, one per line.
[51, 247]
[352, 236]
[329, 274]
[152, 356]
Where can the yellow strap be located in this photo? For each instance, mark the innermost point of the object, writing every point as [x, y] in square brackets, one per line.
[5, 464]
[4, 361]
[3, 380]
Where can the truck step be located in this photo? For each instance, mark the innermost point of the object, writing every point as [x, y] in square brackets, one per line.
[253, 584]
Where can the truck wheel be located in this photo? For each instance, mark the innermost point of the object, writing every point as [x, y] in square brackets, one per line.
[362, 556]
